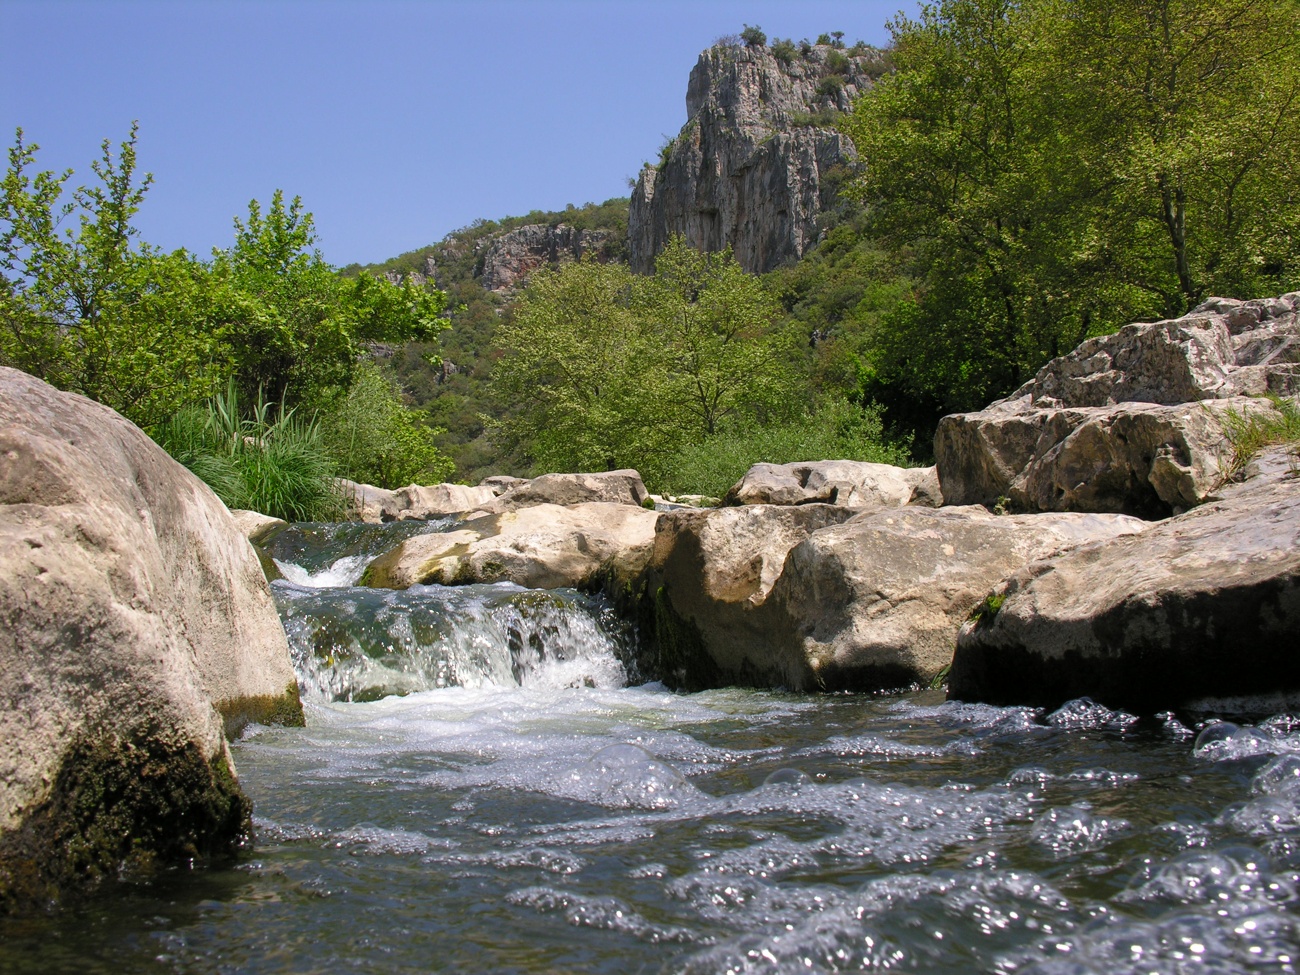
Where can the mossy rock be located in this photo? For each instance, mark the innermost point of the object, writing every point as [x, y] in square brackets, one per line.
[122, 807]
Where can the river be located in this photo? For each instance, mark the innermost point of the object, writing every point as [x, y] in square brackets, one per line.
[482, 786]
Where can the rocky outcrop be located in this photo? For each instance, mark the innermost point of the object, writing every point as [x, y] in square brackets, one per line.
[613, 487]
[854, 484]
[374, 505]
[137, 624]
[709, 575]
[820, 597]
[542, 546]
[748, 169]
[1206, 604]
[877, 602]
[511, 257]
[1131, 422]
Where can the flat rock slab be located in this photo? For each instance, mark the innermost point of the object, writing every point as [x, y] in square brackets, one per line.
[877, 601]
[543, 546]
[1204, 604]
[612, 487]
[851, 483]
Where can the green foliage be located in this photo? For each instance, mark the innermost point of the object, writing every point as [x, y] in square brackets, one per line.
[266, 459]
[375, 438]
[837, 62]
[784, 50]
[830, 87]
[1249, 434]
[606, 369]
[839, 431]
[1051, 169]
[753, 36]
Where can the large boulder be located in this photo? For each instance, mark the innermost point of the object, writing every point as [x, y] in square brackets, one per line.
[137, 624]
[543, 546]
[877, 601]
[1130, 422]
[851, 483]
[372, 504]
[709, 575]
[1204, 604]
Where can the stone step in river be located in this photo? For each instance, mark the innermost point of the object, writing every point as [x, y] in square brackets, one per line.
[483, 787]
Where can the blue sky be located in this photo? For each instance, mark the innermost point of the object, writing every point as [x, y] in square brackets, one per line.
[396, 122]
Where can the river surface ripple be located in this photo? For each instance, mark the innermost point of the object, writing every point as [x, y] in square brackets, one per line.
[541, 818]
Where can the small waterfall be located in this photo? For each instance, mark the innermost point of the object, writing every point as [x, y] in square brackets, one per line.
[357, 644]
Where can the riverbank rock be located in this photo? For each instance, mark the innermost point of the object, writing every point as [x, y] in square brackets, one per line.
[543, 546]
[709, 576]
[877, 602]
[374, 505]
[1206, 604]
[1131, 422]
[850, 483]
[610, 487]
[137, 624]
[256, 526]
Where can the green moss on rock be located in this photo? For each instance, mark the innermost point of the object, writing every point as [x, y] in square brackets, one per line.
[121, 807]
[282, 709]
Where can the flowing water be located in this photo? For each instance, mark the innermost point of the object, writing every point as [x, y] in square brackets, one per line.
[520, 809]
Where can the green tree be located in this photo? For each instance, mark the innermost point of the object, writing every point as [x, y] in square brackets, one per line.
[1056, 168]
[308, 326]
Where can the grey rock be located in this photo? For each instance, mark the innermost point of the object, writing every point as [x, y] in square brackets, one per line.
[877, 601]
[748, 168]
[1130, 422]
[509, 258]
[374, 505]
[138, 628]
[1206, 604]
[616, 487]
[543, 546]
[849, 483]
[712, 571]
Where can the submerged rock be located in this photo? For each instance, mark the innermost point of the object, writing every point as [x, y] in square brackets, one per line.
[851, 483]
[1204, 604]
[543, 546]
[1130, 422]
[137, 623]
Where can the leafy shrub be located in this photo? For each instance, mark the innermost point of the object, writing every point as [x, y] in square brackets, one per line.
[374, 438]
[271, 461]
[830, 86]
[823, 38]
[805, 47]
[837, 62]
[784, 51]
[838, 431]
[753, 36]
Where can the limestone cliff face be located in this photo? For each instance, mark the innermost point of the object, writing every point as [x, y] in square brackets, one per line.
[510, 258]
[748, 168]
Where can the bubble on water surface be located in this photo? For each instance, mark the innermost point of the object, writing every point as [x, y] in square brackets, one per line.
[787, 778]
[1223, 741]
[606, 913]
[1281, 776]
[1085, 714]
[1068, 830]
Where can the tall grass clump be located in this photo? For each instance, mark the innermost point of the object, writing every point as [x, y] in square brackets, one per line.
[1248, 435]
[270, 460]
[838, 431]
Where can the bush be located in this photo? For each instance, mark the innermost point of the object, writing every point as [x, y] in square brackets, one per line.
[784, 51]
[753, 36]
[838, 431]
[830, 86]
[273, 463]
[823, 38]
[837, 62]
[374, 438]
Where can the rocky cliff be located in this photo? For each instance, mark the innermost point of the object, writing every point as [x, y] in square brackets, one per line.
[510, 258]
[748, 169]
